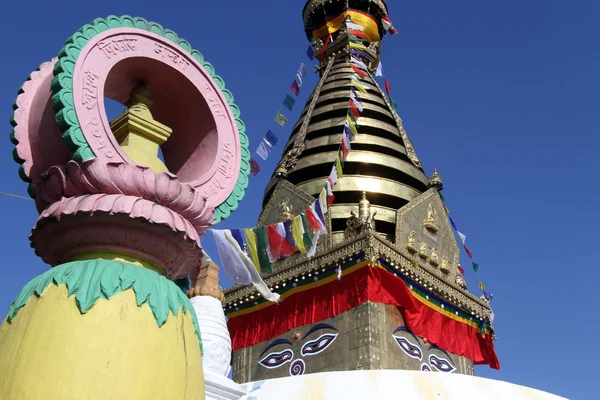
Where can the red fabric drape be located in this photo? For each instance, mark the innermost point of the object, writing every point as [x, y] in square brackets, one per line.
[338, 296]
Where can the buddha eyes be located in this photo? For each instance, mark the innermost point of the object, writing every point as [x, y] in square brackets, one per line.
[409, 348]
[319, 344]
[441, 364]
[274, 360]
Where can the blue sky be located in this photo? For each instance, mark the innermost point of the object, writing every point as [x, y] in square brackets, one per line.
[501, 97]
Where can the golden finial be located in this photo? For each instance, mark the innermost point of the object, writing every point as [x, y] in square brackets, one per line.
[436, 181]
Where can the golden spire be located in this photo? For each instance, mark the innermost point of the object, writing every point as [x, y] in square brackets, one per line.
[436, 181]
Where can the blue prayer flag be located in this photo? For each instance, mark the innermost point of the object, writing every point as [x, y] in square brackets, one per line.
[310, 52]
[271, 138]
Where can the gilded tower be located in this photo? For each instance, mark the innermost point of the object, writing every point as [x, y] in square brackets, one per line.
[384, 290]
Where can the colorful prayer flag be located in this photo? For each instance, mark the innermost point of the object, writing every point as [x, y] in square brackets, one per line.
[308, 233]
[354, 111]
[348, 132]
[446, 209]
[281, 119]
[358, 71]
[271, 138]
[345, 145]
[481, 286]
[289, 102]
[357, 102]
[262, 245]
[388, 88]
[358, 62]
[278, 245]
[299, 80]
[254, 167]
[263, 150]
[351, 25]
[329, 188]
[357, 46]
[302, 70]
[295, 88]
[358, 34]
[356, 83]
[338, 167]
[351, 124]
[453, 224]
[233, 265]
[298, 233]
[251, 242]
[393, 103]
[310, 52]
[488, 296]
[388, 26]
[468, 252]
[475, 266]
[441, 196]
[379, 70]
[462, 237]
[461, 270]
[323, 201]
[359, 54]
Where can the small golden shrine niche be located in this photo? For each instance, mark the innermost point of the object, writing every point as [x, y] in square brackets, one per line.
[433, 258]
[444, 265]
[430, 222]
[285, 210]
[423, 251]
[412, 242]
[363, 220]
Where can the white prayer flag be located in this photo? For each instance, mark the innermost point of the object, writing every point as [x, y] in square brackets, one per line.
[358, 62]
[255, 278]
[262, 151]
[357, 103]
[379, 71]
[232, 264]
[462, 237]
[354, 26]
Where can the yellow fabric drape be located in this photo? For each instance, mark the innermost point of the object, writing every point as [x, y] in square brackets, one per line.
[251, 242]
[298, 233]
[334, 24]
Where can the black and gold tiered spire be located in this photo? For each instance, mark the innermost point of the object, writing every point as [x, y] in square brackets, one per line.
[382, 162]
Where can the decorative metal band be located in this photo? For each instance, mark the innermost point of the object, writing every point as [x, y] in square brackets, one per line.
[410, 150]
[374, 247]
[291, 156]
[66, 117]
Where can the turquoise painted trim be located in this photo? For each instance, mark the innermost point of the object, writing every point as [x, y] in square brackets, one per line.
[93, 280]
[66, 117]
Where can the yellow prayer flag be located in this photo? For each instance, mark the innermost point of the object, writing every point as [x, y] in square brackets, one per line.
[298, 233]
[338, 167]
[358, 85]
[357, 46]
[351, 125]
[323, 201]
[251, 242]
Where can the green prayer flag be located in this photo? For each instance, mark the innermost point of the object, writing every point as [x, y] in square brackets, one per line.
[262, 243]
[280, 119]
[341, 158]
[308, 232]
[289, 102]
[442, 197]
[475, 267]
[393, 103]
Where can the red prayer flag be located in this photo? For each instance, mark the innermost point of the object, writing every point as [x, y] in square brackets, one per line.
[313, 220]
[358, 71]
[278, 246]
[468, 252]
[295, 88]
[345, 150]
[356, 33]
[461, 270]
[354, 110]
[254, 167]
[330, 195]
[388, 88]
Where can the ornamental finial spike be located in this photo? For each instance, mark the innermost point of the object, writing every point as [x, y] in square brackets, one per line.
[436, 181]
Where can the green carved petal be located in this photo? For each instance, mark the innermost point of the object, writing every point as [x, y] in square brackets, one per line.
[65, 112]
[90, 281]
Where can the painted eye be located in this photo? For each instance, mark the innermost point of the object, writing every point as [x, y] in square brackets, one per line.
[319, 344]
[441, 364]
[275, 360]
[409, 348]
[425, 368]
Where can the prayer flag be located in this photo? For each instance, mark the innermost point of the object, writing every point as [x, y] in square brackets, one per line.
[295, 88]
[237, 235]
[255, 278]
[302, 70]
[289, 102]
[354, 110]
[488, 296]
[271, 138]
[281, 119]
[356, 39]
[348, 132]
[351, 125]
[462, 237]
[251, 242]
[357, 46]
[453, 224]
[318, 209]
[323, 201]
[278, 245]
[289, 237]
[379, 70]
[461, 270]
[308, 234]
[298, 233]
[317, 225]
[359, 54]
[481, 286]
[388, 88]
[329, 187]
[357, 103]
[262, 244]
[393, 103]
[468, 252]
[345, 145]
[310, 52]
[442, 196]
[356, 61]
[232, 264]
[356, 83]
[254, 167]
[262, 151]
[356, 33]
[299, 80]
[338, 167]
[358, 71]
[446, 209]
[356, 27]
[333, 176]
[388, 26]
[475, 266]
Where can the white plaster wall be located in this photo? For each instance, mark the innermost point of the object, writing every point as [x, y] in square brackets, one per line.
[214, 334]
